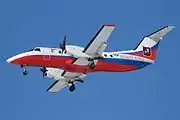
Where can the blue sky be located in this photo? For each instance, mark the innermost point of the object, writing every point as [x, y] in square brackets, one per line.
[151, 93]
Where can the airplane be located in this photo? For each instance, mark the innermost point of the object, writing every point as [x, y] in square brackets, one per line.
[69, 64]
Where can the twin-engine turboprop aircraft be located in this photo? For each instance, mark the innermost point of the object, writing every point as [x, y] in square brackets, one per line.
[69, 64]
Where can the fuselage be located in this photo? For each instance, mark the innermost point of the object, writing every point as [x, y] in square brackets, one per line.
[119, 61]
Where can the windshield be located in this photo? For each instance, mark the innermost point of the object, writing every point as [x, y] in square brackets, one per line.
[35, 49]
[31, 49]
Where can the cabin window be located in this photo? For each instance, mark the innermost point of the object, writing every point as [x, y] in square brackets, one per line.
[105, 55]
[111, 55]
[115, 54]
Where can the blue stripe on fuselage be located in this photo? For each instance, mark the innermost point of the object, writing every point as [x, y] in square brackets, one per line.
[139, 64]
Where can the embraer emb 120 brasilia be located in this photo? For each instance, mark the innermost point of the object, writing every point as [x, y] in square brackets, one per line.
[70, 64]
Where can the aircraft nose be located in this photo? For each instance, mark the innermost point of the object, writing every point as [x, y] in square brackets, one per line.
[10, 60]
[17, 59]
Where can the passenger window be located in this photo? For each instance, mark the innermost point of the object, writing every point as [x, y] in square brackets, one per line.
[111, 55]
[115, 54]
[60, 51]
[105, 55]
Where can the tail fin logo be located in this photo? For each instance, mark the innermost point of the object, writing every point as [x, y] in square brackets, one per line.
[147, 51]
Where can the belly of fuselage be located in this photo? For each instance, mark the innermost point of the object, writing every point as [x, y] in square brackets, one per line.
[65, 63]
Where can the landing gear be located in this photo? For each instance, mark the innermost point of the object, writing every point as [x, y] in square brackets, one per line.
[25, 72]
[44, 71]
[92, 65]
[79, 80]
[72, 88]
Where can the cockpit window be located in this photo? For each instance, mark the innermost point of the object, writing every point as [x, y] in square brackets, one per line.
[37, 49]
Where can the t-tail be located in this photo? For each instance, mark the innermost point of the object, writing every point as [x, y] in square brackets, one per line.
[148, 47]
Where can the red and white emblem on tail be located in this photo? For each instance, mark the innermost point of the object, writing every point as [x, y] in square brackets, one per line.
[147, 51]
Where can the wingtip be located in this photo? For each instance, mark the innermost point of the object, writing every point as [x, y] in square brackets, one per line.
[172, 26]
[112, 25]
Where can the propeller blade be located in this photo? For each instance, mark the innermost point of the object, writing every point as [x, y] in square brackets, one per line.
[43, 70]
[63, 45]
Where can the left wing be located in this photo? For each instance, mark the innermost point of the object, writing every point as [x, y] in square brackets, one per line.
[99, 42]
[97, 45]
[63, 78]
[57, 86]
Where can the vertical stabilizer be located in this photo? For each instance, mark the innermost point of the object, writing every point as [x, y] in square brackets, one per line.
[149, 45]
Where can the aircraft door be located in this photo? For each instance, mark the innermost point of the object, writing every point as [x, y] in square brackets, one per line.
[47, 55]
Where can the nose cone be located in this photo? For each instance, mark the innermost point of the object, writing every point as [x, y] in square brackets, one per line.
[10, 59]
[16, 59]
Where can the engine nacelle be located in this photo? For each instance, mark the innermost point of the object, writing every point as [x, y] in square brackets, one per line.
[54, 73]
[76, 52]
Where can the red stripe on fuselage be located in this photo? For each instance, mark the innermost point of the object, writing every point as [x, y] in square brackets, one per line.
[65, 63]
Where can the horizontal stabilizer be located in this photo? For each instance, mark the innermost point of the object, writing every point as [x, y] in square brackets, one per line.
[157, 35]
[148, 47]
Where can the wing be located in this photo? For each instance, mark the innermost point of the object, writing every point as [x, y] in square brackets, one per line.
[57, 86]
[97, 45]
[74, 75]
[62, 78]
[99, 42]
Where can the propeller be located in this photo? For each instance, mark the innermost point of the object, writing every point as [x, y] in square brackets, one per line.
[63, 45]
[44, 70]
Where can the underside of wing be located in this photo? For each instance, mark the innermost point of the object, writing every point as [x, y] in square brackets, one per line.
[99, 42]
[57, 86]
[63, 79]
[73, 75]
[82, 61]
[97, 45]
